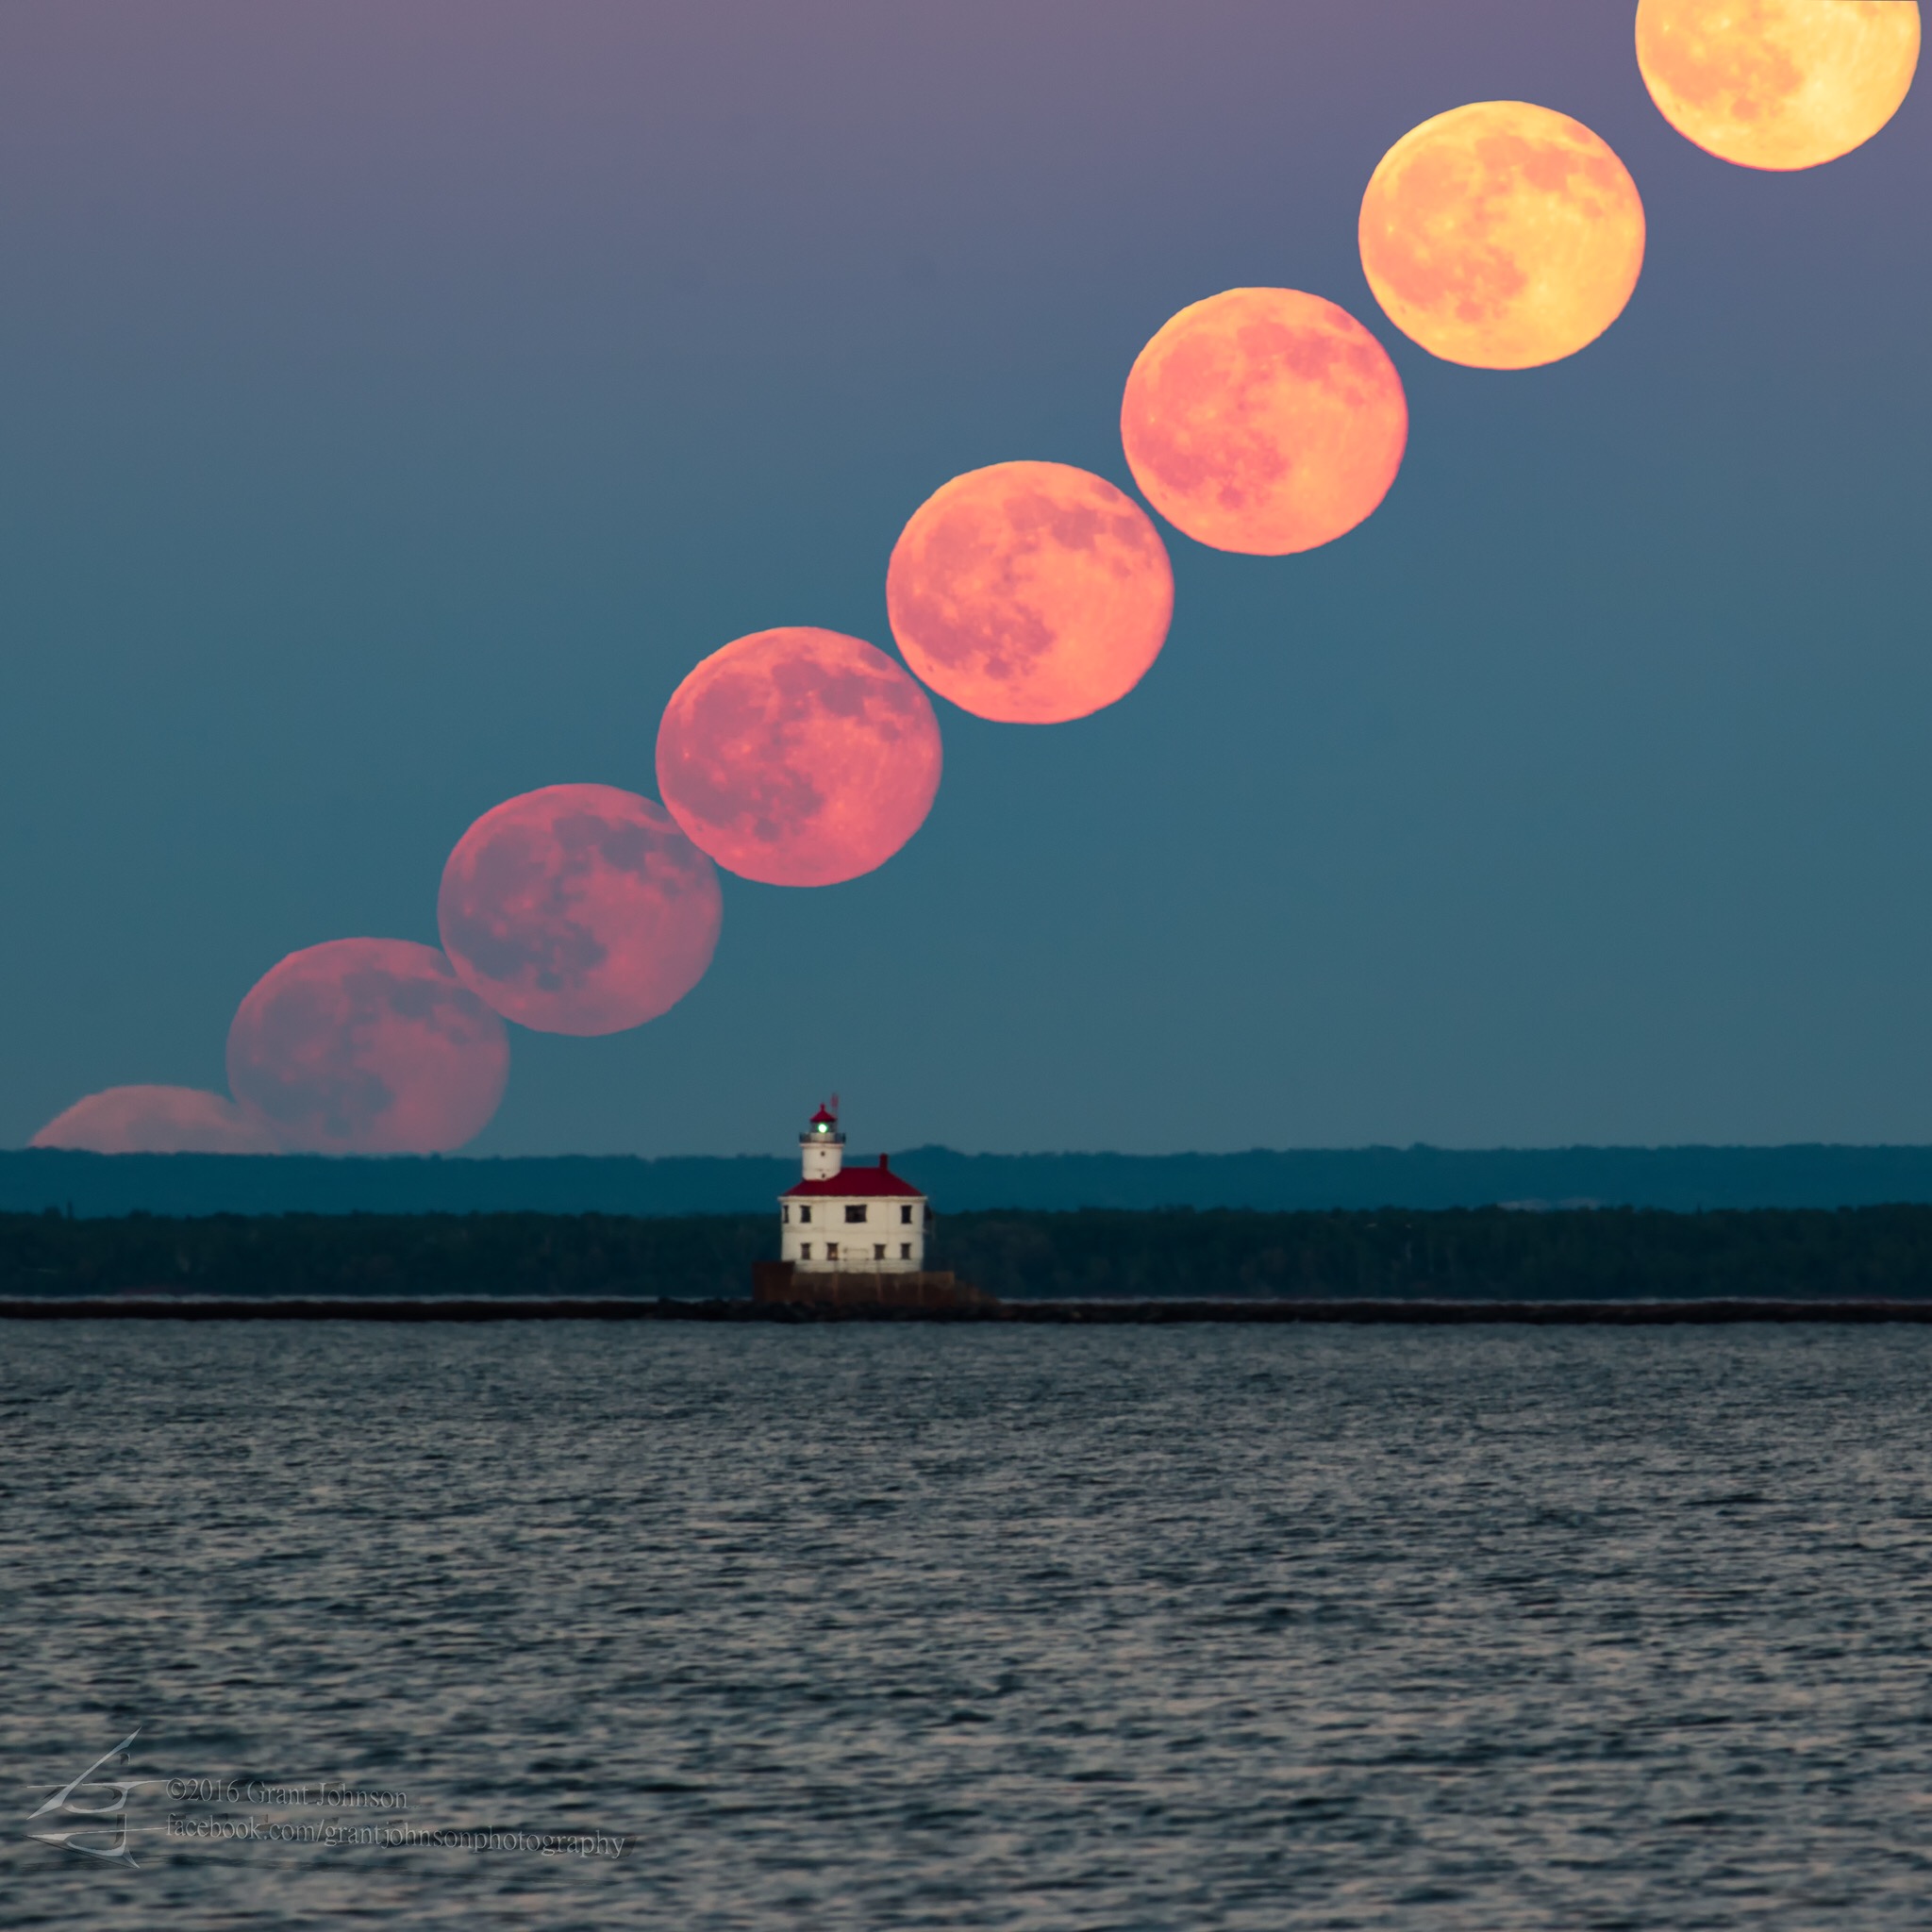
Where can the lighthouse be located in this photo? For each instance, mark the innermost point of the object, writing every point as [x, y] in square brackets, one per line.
[840, 1220]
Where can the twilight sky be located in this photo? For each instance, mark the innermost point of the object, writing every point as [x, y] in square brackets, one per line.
[402, 396]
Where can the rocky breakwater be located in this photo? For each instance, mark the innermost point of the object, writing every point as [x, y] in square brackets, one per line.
[931, 1292]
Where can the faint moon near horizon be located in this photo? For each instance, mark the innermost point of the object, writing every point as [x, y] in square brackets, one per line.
[1502, 235]
[1264, 421]
[157, 1120]
[367, 1047]
[1778, 84]
[799, 757]
[1030, 593]
[579, 909]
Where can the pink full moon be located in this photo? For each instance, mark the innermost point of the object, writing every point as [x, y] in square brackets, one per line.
[157, 1120]
[799, 757]
[1264, 421]
[1030, 593]
[367, 1047]
[579, 909]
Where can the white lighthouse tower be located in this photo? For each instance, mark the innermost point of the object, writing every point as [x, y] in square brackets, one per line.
[821, 1146]
[840, 1220]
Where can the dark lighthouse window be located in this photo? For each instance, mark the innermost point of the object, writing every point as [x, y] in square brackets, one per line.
[906, 1216]
[855, 1214]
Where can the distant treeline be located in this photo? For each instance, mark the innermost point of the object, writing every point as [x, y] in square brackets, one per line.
[1459, 1254]
[1611, 1253]
[384, 1254]
[1279, 1182]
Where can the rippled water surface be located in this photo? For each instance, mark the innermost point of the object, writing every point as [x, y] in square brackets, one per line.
[942, 1627]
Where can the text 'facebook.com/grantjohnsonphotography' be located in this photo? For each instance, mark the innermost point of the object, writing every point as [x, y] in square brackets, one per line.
[110, 1818]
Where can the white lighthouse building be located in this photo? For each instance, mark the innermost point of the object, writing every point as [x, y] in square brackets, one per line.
[840, 1220]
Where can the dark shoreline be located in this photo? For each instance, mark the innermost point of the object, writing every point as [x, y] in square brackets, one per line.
[1064, 1313]
[1595, 1257]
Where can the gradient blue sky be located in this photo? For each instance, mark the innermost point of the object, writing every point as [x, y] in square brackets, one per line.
[401, 395]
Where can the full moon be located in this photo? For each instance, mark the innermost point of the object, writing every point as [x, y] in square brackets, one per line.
[157, 1120]
[1777, 83]
[1501, 236]
[1030, 593]
[799, 757]
[367, 1047]
[579, 909]
[1264, 421]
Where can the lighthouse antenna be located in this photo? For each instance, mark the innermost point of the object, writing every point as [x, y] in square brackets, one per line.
[833, 1109]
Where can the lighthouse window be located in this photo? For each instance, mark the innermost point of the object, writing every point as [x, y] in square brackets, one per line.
[879, 1251]
[905, 1251]
[855, 1214]
[788, 1214]
[805, 1251]
[906, 1216]
[804, 1214]
[831, 1250]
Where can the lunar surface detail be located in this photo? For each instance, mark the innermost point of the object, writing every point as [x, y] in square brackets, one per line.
[799, 757]
[1265, 421]
[1030, 593]
[367, 1047]
[579, 908]
[1501, 236]
[157, 1120]
[1778, 84]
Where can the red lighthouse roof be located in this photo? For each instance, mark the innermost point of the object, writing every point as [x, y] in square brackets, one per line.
[855, 1183]
[823, 1118]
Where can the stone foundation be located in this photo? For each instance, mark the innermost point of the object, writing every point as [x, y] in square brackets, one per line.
[937, 1291]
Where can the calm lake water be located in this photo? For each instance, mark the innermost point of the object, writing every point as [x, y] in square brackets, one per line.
[884, 1627]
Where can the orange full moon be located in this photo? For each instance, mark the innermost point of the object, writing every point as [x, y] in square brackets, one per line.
[1264, 421]
[367, 1047]
[579, 909]
[798, 757]
[1501, 236]
[1777, 83]
[157, 1120]
[1030, 593]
